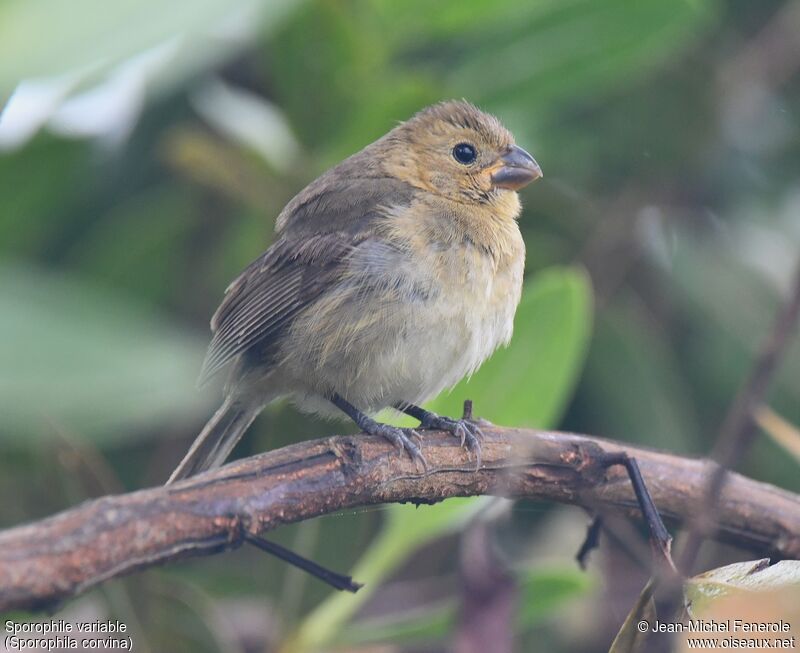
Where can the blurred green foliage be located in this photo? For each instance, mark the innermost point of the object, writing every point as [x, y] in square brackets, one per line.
[543, 592]
[144, 161]
[99, 362]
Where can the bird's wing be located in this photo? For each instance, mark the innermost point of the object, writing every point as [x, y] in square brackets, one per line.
[263, 300]
[317, 234]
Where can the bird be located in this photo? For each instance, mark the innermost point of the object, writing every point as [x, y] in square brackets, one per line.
[391, 277]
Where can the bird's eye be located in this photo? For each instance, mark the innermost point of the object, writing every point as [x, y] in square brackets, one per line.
[464, 153]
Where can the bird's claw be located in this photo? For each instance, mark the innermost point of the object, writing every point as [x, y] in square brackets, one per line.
[467, 431]
[407, 440]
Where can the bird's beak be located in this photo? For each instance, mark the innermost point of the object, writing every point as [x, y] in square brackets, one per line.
[515, 169]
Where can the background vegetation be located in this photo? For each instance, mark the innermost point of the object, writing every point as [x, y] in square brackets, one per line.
[142, 164]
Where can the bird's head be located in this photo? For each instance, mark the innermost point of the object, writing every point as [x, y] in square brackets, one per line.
[459, 152]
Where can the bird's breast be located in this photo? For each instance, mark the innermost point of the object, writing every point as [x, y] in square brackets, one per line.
[478, 296]
[472, 279]
[415, 312]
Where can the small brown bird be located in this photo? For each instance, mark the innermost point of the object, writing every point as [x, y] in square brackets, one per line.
[392, 276]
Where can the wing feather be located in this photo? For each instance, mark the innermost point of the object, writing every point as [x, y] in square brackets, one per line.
[317, 230]
[260, 304]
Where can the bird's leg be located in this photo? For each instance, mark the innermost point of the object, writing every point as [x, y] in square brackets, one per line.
[466, 430]
[403, 439]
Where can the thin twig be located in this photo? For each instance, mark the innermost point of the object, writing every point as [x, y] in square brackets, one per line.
[658, 535]
[336, 581]
[590, 542]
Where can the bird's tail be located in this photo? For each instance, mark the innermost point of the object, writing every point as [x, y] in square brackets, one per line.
[217, 439]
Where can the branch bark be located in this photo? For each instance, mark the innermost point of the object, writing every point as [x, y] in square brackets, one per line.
[56, 558]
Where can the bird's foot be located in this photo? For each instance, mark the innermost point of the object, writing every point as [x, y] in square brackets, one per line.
[466, 430]
[405, 439]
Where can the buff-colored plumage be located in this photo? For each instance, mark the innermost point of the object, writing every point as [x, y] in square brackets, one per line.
[392, 276]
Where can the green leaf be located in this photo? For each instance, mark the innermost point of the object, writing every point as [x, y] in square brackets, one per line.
[752, 576]
[43, 38]
[704, 592]
[76, 356]
[530, 382]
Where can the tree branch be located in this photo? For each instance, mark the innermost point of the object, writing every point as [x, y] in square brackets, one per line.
[53, 559]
